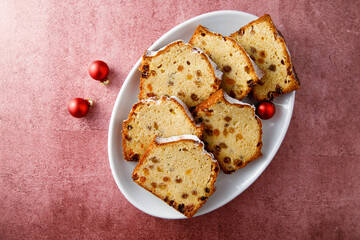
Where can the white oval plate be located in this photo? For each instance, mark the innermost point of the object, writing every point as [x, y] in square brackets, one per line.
[227, 186]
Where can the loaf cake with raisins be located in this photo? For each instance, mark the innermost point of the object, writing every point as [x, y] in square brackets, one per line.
[240, 74]
[179, 171]
[266, 46]
[165, 117]
[232, 131]
[179, 70]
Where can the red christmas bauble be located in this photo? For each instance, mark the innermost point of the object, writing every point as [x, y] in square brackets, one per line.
[79, 107]
[99, 70]
[265, 110]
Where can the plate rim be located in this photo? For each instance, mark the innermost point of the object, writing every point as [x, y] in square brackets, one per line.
[124, 86]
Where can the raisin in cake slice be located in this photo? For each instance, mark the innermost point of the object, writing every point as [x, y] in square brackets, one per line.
[179, 171]
[267, 48]
[179, 70]
[164, 117]
[232, 131]
[240, 74]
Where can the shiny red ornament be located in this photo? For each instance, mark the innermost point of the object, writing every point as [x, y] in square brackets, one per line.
[265, 110]
[99, 70]
[79, 107]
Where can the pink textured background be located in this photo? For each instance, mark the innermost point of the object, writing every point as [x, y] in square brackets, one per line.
[55, 179]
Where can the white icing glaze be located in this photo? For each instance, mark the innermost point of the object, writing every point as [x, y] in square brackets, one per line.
[177, 138]
[184, 106]
[235, 101]
[258, 71]
[218, 72]
[195, 138]
[151, 99]
[151, 53]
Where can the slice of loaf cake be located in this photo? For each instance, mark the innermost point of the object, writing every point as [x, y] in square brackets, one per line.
[232, 131]
[164, 117]
[267, 48]
[179, 70]
[179, 171]
[240, 74]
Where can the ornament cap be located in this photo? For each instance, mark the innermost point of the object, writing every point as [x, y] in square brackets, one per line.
[105, 82]
[90, 102]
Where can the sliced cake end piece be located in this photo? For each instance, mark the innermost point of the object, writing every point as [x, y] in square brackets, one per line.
[179, 171]
[164, 117]
[266, 46]
[240, 74]
[232, 131]
[179, 70]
